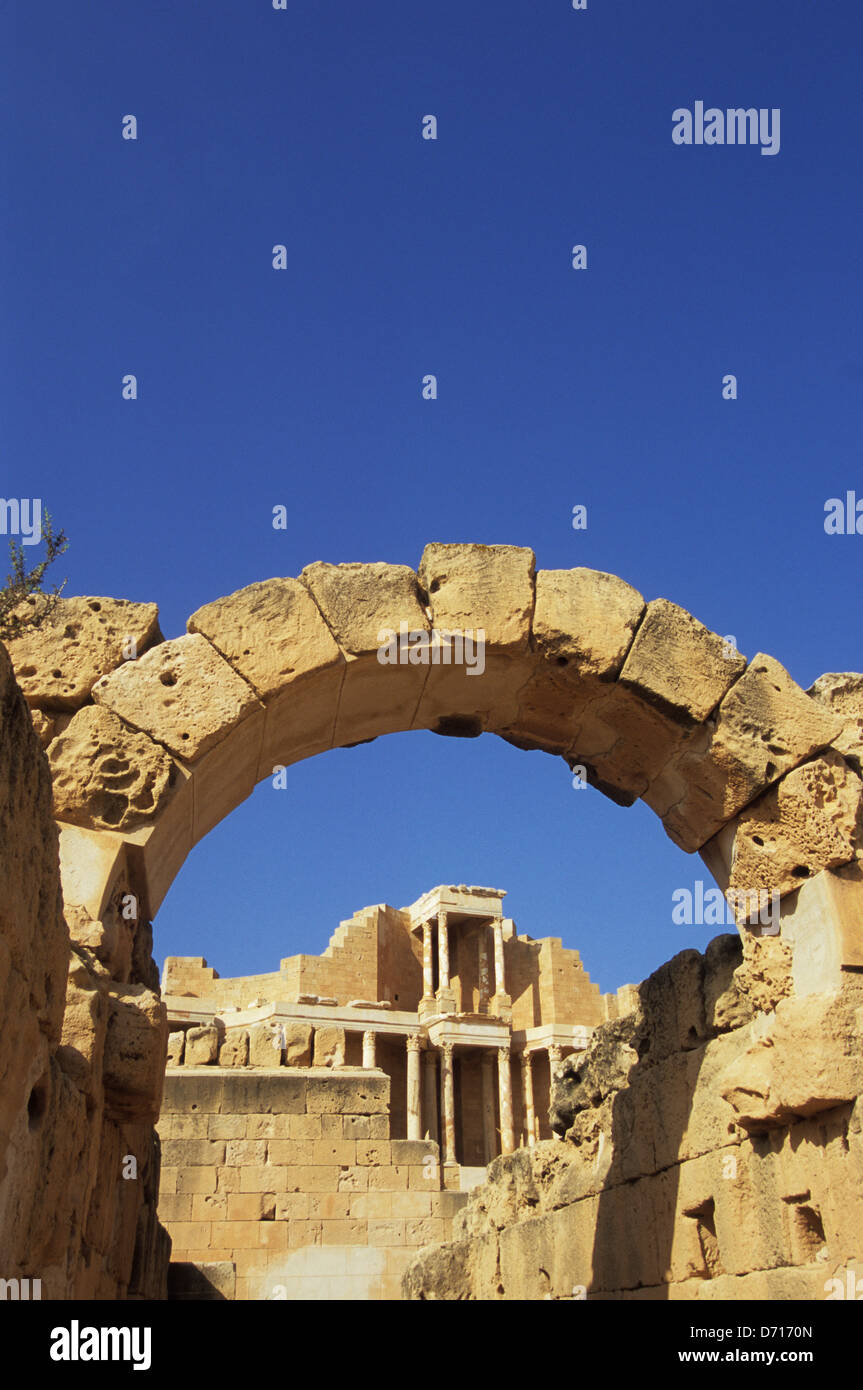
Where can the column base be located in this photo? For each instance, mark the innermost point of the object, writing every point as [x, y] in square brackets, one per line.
[500, 1006]
[445, 1001]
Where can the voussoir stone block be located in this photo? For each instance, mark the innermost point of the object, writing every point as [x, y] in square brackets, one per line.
[482, 594]
[272, 633]
[678, 664]
[808, 821]
[81, 640]
[624, 742]
[583, 626]
[765, 726]
[106, 775]
[842, 695]
[487, 586]
[182, 693]
[585, 620]
[362, 605]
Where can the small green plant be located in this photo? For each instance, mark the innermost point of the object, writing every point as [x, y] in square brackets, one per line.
[24, 602]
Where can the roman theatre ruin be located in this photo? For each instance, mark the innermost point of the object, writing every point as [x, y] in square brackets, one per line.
[697, 1135]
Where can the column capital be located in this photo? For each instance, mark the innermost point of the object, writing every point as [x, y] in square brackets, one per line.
[446, 1049]
[414, 1042]
[504, 1051]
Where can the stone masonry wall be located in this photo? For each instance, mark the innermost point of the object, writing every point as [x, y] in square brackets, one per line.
[713, 1149]
[294, 1180]
[81, 1053]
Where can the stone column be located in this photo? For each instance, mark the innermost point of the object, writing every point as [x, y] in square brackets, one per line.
[428, 966]
[369, 1062]
[488, 1130]
[447, 1103]
[414, 1042]
[442, 949]
[504, 1080]
[555, 1057]
[527, 1094]
[430, 1096]
[484, 987]
[499, 981]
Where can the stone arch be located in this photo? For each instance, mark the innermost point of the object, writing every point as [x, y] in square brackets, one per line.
[148, 754]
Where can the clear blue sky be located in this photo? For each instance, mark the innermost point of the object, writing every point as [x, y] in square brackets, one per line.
[556, 387]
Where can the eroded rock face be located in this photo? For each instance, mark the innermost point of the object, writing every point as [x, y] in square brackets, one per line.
[107, 776]
[58, 664]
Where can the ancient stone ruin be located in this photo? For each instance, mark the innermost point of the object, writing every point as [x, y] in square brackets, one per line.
[697, 1136]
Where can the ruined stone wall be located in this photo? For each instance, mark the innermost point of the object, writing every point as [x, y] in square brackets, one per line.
[293, 1179]
[713, 1149]
[81, 1053]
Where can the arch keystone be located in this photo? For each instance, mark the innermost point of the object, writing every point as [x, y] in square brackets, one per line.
[486, 591]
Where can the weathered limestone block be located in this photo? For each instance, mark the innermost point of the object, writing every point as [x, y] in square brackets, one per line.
[765, 974]
[807, 1059]
[491, 586]
[202, 1046]
[765, 726]
[439, 1272]
[176, 1048]
[106, 775]
[623, 743]
[58, 663]
[329, 1047]
[584, 621]
[298, 1044]
[486, 591]
[842, 694]
[823, 925]
[234, 1051]
[44, 725]
[181, 693]
[266, 1044]
[583, 625]
[135, 1047]
[85, 1026]
[362, 604]
[678, 664]
[810, 820]
[273, 634]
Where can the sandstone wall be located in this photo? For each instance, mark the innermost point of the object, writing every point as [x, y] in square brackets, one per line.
[713, 1149]
[81, 1052]
[294, 1180]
